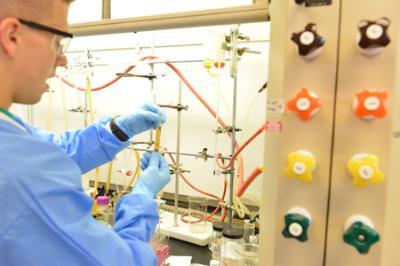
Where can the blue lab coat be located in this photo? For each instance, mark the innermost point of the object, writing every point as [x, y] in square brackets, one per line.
[46, 215]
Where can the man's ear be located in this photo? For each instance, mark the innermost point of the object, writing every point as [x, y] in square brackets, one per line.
[9, 38]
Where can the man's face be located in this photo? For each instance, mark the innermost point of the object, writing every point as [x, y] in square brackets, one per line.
[37, 57]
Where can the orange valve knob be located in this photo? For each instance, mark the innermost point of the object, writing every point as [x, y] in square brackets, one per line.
[306, 104]
[369, 105]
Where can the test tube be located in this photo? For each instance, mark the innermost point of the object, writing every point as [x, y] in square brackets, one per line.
[157, 140]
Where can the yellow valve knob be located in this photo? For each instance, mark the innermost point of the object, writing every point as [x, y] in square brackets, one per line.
[364, 169]
[301, 164]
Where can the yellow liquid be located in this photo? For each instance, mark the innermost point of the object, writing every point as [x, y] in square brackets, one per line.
[157, 141]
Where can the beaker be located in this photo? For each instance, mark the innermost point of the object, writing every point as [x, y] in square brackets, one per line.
[248, 254]
[197, 214]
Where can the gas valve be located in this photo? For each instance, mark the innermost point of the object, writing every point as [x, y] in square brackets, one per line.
[370, 105]
[301, 164]
[306, 104]
[297, 222]
[364, 169]
[372, 36]
[360, 233]
[309, 42]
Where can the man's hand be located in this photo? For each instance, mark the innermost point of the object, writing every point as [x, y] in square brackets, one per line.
[146, 117]
[155, 174]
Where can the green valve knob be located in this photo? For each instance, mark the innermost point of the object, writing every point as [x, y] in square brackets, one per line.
[360, 233]
[297, 222]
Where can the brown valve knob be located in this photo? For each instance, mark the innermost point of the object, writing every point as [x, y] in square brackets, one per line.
[372, 36]
[308, 41]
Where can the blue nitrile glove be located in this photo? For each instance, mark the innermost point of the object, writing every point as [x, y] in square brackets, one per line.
[155, 174]
[144, 118]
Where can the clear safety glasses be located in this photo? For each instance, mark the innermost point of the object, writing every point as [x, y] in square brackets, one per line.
[61, 39]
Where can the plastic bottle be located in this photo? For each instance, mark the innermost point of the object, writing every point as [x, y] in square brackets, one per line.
[104, 212]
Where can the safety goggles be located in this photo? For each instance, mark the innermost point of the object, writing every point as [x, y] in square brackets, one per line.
[61, 39]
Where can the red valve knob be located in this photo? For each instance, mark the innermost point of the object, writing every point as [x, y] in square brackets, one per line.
[369, 105]
[306, 104]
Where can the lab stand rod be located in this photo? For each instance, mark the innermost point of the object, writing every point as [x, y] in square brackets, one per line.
[152, 62]
[197, 155]
[141, 48]
[178, 155]
[233, 39]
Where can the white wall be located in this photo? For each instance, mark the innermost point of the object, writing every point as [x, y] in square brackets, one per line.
[197, 123]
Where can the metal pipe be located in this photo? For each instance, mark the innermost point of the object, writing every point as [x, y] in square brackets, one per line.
[157, 46]
[178, 155]
[234, 57]
[222, 16]
[182, 153]
[152, 62]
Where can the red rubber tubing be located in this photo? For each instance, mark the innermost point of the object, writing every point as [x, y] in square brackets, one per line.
[204, 193]
[240, 149]
[109, 83]
[256, 172]
[198, 96]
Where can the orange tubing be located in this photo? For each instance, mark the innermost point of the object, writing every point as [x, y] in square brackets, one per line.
[206, 105]
[109, 83]
[242, 187]
[240, 149]
[204, 193]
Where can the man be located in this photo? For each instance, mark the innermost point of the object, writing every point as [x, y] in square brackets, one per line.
[45, 214]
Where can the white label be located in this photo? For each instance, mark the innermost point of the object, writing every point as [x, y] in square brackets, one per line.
[295, 229]
[374, 32]
[276, 106]
[303, 104]
[366, 172]
[299, 168]
[307, 38]
[372, 103]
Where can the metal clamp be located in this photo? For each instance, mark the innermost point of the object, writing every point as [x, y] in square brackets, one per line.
[178, 107]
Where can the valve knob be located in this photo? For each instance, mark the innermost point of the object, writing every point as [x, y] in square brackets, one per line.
[309, 42]
[125, 171]
[372, 36]
[370, 105]
[301, 164]
[364, 169]
[297, 222]
[306, 104]
[360, 233]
